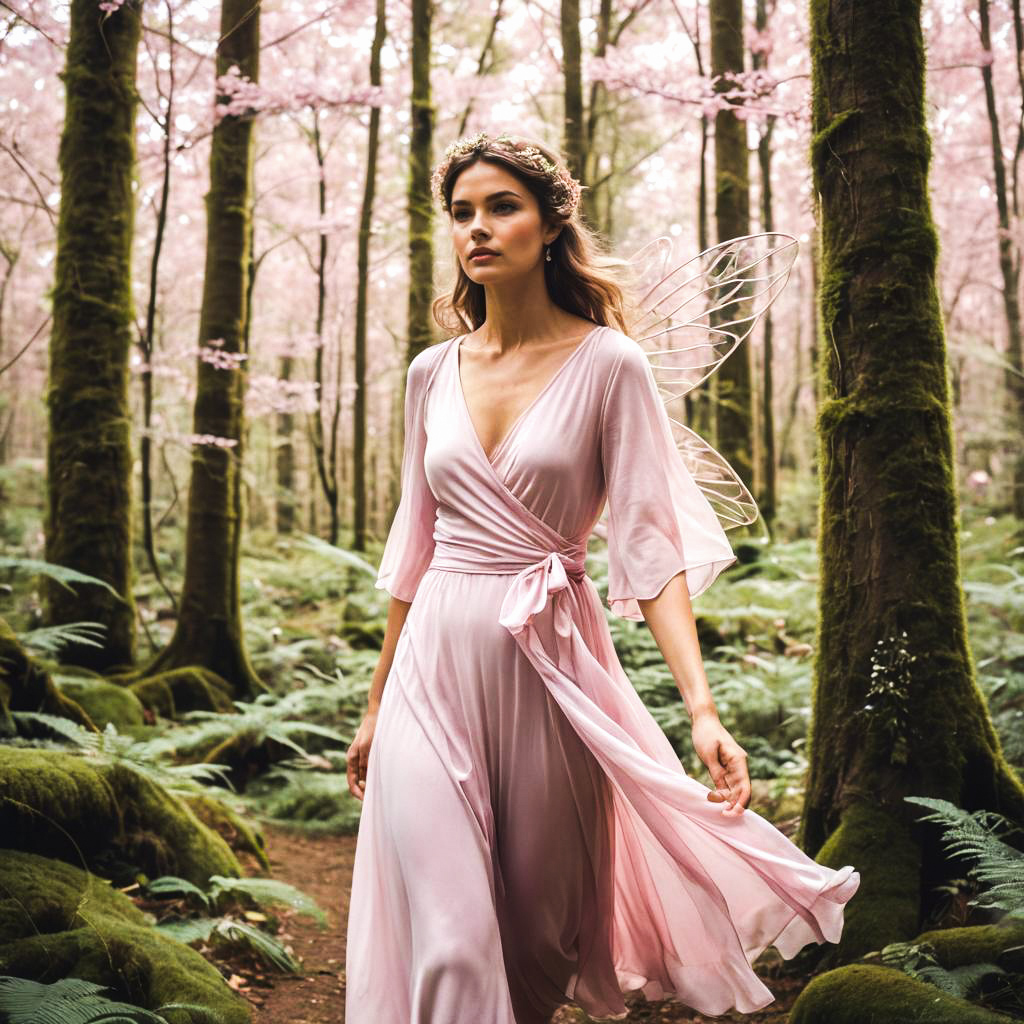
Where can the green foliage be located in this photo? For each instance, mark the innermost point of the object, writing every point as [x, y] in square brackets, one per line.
[998, 867]
[918, 961]
[74, 1001]
[59, 573]
[225, 932]
[223, 891]
[318, 802]
[144, 757]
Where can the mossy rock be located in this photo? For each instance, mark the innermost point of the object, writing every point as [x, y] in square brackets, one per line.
[179, 690]
[859, 993]
[238, 833]
[885, 908]
[65, 922]
[25, 685]
[1001, 943]
[71, 807]
[104, 702]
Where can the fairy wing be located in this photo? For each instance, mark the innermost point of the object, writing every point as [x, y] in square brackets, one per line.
[689, 317]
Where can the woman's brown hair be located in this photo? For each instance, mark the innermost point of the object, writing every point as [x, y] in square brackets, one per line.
[582, 277]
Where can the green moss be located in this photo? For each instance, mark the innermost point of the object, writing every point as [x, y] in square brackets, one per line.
[59, 921]
[862, 993]
[238, 833]
[89, 445]
[76, 809]
[191, 688]
[885, 908]
[1001, 943]
[889, 523]
[104, 702]
[25, 685]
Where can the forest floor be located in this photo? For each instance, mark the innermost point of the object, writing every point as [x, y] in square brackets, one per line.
[322, 867]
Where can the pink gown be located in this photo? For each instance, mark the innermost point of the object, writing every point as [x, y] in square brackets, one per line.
[528, 837]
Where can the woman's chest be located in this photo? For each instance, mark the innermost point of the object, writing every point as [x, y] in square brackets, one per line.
[549, 459]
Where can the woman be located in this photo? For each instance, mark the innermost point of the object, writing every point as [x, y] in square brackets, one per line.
[528, 837]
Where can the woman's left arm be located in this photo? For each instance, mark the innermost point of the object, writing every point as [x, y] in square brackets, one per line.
[669, 617]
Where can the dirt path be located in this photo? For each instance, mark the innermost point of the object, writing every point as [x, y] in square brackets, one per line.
[322, 867]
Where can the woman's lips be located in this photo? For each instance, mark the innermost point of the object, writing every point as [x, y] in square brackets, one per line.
[483, 256]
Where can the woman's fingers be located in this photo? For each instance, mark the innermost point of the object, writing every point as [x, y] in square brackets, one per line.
[352, 771]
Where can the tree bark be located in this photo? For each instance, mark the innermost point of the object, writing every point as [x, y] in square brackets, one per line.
[420, 198]
[1009, 268]
[363, 280]
[767, 499]
[572, 72]
[734, 408]
[89, 455]
[209, 629]
[896, 707]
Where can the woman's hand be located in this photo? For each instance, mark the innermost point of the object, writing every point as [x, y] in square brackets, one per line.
[726, 761]
[358, 757]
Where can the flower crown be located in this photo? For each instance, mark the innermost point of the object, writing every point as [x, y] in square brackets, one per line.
[566, 189]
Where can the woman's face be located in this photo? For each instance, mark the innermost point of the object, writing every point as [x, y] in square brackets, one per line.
[492, 209]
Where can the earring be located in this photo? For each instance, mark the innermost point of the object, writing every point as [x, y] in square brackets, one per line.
[548, 256]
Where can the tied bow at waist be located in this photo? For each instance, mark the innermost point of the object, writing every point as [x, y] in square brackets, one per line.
[528, 593]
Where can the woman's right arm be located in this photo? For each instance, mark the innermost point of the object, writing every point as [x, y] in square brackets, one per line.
[397, 612]
[358, 757]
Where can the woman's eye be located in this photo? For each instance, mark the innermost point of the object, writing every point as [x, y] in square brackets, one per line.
[462, 214]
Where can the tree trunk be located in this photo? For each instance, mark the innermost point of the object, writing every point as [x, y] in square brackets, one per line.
[363, 278]
[420, 200]
[596, 113]
[572, 71]
[89, 455]
[734, 408]
[284, 459]
[324, 442]
[1009, 267]
[896, 708]
[209, 630]
[147, 343]
[767, 500]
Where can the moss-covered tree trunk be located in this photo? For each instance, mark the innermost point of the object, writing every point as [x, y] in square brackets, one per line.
[572, 74]
[734, 410]
[324, 439]
[1009, 268]
[284, 458]
[896, 708]
[419, 196]
[209, 629]
[89, 455]
[767, 498]
[363, 277]
[595, 198]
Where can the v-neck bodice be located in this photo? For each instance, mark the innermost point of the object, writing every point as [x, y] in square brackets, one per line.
[549, 460]
[551, 381]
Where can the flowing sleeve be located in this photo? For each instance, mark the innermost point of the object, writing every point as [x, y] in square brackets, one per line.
[410, 544]
[659, 521]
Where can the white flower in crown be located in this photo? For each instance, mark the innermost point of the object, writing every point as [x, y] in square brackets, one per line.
[567, 189]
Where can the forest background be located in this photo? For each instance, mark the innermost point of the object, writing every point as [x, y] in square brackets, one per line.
[219, 440]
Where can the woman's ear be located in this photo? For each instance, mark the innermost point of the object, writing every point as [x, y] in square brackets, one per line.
[549, 237]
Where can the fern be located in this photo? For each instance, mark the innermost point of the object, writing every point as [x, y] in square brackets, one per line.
[268, 892]
[50, 640]
[264, 892]
[74, 1001]
[999, 867]
[61, 573]
[144, 757]
[918, 961]
[225, 930]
